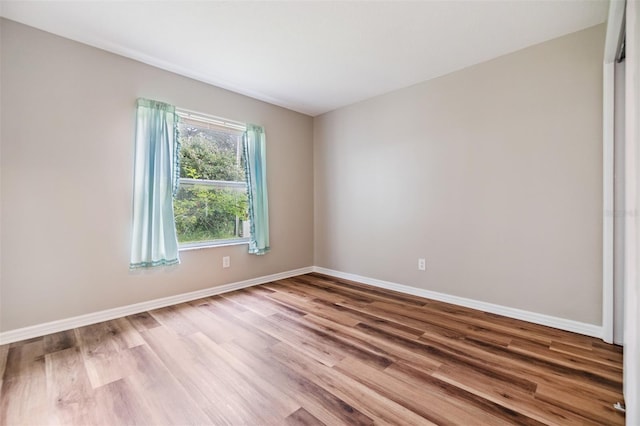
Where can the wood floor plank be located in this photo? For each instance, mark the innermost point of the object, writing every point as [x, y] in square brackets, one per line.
[253, 304]
[342, 286]
[514, 328]
[442, 408]
[105, 353]
[311, 350]
[271, 402]
[585, 403]
[320, 403]
[25, 359]
[606, 348]
[513, 399]
[318, 288]
[389, 349]
[143, 321]
[610, 359]
[361, 316]
[124, 333]
[330, 293]
[458, 325]
[285, 287]
[200, 381]
[355, 393]
[573, 369]
[508, 325]
[228, 328]
[374, 355]
[395, 315]
[223, 395]
[188, 319]
[545, 353]
[216, 326]
[302, 417]
[167, 400]
[171, 318]
[496, 358]
[23, 400]
[70, 393]
[120, 404]
[317, 349]
[341, 345]
[316, 307]
[263, 297]
[442, 353]
[23, 397]
[4, 352]
[59, 341]
[492, 394]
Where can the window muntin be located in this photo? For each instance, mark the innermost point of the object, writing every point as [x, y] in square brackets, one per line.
[211, 205]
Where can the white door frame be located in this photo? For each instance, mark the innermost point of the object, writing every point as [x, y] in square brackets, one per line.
[612, 43]
[632, 225]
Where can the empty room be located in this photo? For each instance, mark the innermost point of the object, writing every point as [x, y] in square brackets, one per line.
[319, 212]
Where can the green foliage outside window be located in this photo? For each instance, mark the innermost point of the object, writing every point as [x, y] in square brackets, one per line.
[205, 212]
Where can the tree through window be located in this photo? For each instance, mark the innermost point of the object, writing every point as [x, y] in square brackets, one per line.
[211, 205]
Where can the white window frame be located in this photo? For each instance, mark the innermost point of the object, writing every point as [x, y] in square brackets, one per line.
[226, 125]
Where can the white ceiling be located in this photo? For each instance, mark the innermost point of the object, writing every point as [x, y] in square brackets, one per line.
[310, 56]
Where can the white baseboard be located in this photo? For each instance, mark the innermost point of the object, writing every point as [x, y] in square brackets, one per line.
[109, 314]
[550, 321]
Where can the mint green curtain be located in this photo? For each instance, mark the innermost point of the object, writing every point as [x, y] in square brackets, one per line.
[156, 172]
[256, 168]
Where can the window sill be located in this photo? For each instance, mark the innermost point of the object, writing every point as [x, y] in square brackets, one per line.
[212, 244]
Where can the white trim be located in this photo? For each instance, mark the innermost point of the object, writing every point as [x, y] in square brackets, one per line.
[233, 184]
[614, 30]
[211, 119]
[612, 44]
[631, 367]
[109, 314]
[533, 317]
[213, 244]
[608, 78]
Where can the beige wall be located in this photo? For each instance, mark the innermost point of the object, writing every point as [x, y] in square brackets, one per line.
[492, 173]
[68, 117]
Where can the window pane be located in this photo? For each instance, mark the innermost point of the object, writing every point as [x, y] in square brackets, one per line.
[211, 203]
[210, 154]
[205, 213]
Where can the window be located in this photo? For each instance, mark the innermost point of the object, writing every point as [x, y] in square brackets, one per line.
[211, 205]
[218, 195]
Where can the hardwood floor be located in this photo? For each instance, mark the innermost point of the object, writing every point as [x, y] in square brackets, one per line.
[311, 350]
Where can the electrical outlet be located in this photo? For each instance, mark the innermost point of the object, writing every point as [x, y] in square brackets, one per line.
[422, 264]
[226, 261]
